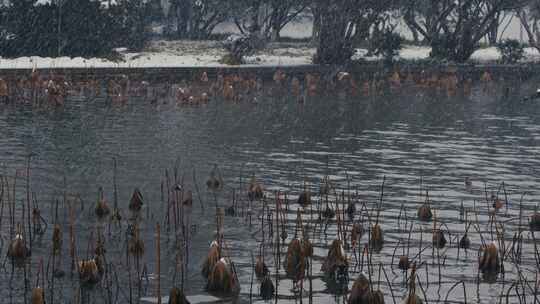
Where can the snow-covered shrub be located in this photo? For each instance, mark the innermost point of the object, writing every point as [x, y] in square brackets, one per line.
[238, 46]
[511, 51]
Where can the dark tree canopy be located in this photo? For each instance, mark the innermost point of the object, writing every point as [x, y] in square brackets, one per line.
[83, 28]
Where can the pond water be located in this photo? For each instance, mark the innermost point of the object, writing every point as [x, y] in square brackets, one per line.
[407, 136]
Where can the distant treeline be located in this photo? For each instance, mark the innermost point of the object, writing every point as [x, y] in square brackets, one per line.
[453, 28]
[83, 28]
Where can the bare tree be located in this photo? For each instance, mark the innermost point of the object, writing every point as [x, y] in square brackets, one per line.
[196, 19]
[268, 17]
[454, 28]
[283, 12]
[529, 16]
[344, 21]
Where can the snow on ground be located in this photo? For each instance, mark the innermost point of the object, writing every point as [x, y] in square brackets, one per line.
[208, 54]
[414, 52]
[104, 3]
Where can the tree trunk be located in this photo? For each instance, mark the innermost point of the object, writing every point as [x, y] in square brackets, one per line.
[183, 18]
[316, 24]
[334, 47]
[493, 32]
[409, 24]
[275, 36]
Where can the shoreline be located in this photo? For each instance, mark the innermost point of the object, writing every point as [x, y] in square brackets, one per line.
[359, 70]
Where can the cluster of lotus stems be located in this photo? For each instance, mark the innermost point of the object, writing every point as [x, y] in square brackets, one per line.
[55, 88]
[218, 267]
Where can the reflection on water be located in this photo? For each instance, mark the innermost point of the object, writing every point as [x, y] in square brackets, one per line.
[405, 138]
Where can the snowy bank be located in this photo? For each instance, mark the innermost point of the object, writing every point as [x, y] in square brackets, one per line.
[186, 54]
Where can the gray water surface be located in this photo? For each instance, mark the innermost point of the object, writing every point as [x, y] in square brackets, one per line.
[404, 137]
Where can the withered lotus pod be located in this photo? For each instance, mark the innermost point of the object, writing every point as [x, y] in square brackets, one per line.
[267, 288]
[211, 259]
[222, 279]
[439, 240]
[307, 247]
[335, 258]
[188, 199]
[534, 222]
[17, 250]
[261, 270]
[412, 298]
[102, 209]
[38, 296]
[351, 210]
[489, 259]
[176, 296]
[328, 213]
[465, 242]
[356, 233]
[255, 190]
[304, 199]
[424, 213]
[404, 263]
[295, 261]
[57, 239]
[90, 271]
[377, 238]
[136, 201]
[361, 292]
